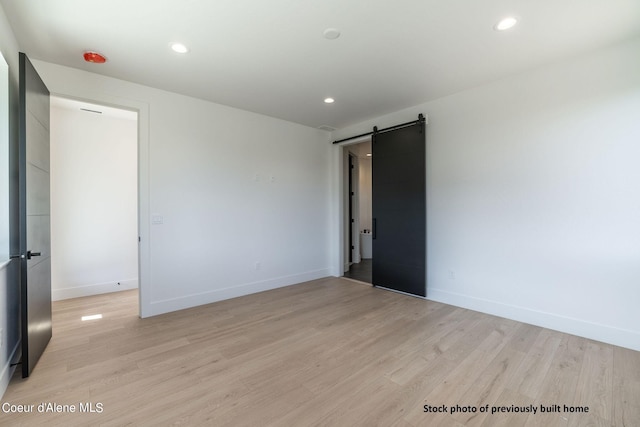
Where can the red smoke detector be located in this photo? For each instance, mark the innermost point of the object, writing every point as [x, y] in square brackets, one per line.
[94, 57]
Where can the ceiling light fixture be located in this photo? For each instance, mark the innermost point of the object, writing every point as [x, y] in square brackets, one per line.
[506, 23]
[331, 33]
[329, 100]
[94, 57]
[179, 48]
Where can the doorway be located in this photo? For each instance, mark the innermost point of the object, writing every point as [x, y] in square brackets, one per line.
[94, 193]
[358, 212]
[398, 223]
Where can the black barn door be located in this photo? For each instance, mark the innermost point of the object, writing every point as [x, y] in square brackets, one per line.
[399, 209]
[35, 230]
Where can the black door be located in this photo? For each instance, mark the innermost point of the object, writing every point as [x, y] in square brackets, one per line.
[35, 230]
[399, 209]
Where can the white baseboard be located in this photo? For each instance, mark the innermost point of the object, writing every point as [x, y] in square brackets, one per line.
[95, 289]
[7, 369]
[180, 303]
[595, 331]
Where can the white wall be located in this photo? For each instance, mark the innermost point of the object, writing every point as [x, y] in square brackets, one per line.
[94, 198]
[4, 158]
[533, 195]
[243, 198]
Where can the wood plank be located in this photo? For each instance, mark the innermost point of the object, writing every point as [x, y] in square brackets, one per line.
[626, 387]
[595, 383]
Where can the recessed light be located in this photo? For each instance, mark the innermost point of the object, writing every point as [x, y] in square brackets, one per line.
[506, 23]
[331, 33]
[179, 48]
[329, 100]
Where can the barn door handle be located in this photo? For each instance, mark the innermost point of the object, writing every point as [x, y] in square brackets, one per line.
[374, 229]
[32, 254]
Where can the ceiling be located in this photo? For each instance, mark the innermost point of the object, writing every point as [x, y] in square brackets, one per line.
[270, 57]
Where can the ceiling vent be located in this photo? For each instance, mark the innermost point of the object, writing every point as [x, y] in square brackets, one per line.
[325, 127]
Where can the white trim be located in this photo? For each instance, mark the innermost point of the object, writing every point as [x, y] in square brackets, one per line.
[93, 289]
[189, 301]
[337, 212]
[607, 334]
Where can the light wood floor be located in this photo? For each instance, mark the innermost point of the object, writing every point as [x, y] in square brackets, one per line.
[331, 352]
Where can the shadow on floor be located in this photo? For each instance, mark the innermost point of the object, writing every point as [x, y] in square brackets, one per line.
[360, 271]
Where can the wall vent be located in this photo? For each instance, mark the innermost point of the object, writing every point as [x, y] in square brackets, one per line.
[91, 111]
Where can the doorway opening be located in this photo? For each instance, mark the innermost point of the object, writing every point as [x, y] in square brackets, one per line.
[94, 199]
[358, 211]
